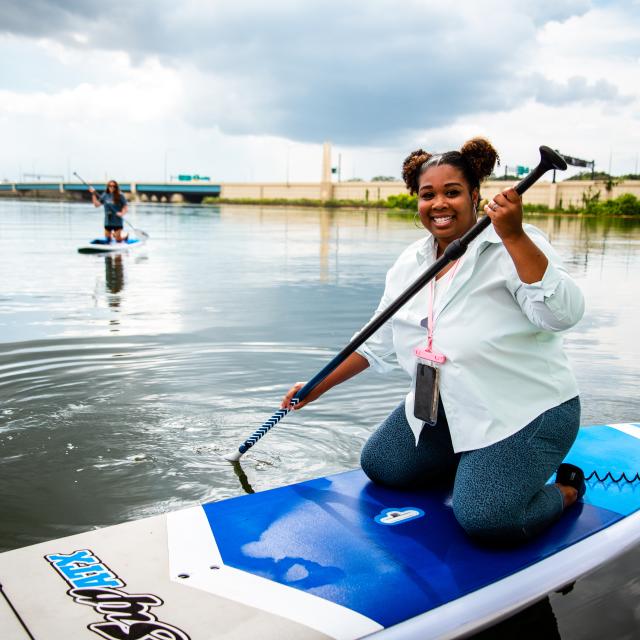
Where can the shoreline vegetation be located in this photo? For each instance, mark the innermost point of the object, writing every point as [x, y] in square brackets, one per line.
[625, 205]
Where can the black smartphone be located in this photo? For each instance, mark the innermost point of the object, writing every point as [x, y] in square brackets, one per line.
[426, 395]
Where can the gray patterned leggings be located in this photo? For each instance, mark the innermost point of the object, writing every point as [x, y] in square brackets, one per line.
[500, 491]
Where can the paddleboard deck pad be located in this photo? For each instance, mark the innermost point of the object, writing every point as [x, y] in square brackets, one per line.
[335, 557]
[100, 246]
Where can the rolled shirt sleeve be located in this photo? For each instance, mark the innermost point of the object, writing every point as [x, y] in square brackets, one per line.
[554, 303]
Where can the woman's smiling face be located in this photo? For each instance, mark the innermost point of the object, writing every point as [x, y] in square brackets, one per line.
[445, 204]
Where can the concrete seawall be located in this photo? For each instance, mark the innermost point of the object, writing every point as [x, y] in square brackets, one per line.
[553, 195]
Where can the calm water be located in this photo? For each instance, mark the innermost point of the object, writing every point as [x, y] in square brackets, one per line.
[123, 378]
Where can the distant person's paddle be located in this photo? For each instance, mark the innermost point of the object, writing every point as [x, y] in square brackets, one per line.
[140, 232]
[549, 159]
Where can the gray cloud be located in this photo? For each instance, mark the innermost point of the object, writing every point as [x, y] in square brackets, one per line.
[355, 73]
[543, 11]
[576, 89]
[51, 18]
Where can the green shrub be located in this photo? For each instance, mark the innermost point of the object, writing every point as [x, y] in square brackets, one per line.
[625, 205]
[535, 208]
[590, 200]
[402, 201]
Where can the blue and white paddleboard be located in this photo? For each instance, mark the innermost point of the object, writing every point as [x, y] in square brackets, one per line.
[99, 246]
[335, 557]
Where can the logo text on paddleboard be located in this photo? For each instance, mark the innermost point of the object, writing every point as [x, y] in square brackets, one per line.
[126, 616]
[398, 516]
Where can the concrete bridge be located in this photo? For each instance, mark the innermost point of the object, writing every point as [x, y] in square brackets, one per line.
[145, 191]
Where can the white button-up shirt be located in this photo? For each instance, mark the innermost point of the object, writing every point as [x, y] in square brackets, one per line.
[505, 362]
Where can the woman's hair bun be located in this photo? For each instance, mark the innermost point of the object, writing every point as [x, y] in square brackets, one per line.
[481, 156]
[411, 168]
[476, 159]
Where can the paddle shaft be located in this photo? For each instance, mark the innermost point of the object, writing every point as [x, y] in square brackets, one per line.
[84, 182]
[454, 250]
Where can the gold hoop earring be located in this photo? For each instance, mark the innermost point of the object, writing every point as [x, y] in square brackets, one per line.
[415, 221]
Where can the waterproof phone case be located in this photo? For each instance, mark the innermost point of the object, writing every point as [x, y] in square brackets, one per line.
[426, 393]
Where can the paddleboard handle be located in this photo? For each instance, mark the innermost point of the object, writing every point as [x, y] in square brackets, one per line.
[549, 159]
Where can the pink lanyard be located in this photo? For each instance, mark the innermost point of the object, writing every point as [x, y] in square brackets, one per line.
[427, 352]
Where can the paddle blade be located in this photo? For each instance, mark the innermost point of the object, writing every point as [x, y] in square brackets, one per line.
[233, 457]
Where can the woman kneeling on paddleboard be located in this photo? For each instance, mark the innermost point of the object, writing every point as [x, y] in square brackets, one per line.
[115, 208]
[493, 399]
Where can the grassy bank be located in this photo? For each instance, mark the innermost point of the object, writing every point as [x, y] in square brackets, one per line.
[406, 202]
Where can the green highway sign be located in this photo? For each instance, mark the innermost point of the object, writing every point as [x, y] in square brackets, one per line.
[185, 177]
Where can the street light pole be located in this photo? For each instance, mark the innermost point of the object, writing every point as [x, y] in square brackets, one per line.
[166, 155]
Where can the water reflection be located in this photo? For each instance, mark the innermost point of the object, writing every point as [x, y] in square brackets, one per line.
[242, 476]
[585, 241]
[114, 282]
[114, 275]
[534, 622]
[327, 226]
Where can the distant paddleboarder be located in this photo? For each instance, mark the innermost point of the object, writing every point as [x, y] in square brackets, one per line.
[115, 208]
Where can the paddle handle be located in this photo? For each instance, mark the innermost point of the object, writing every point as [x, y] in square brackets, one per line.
[549, 159]
[86, 184]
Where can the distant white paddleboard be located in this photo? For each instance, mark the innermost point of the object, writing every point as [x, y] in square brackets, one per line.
[335, 557]
[98, 246]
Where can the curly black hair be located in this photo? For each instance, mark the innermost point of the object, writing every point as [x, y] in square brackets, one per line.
[476, 159]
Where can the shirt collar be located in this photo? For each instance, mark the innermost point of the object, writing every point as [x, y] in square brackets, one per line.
[426, 250]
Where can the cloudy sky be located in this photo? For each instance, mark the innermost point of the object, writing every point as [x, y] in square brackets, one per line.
[246, 90]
